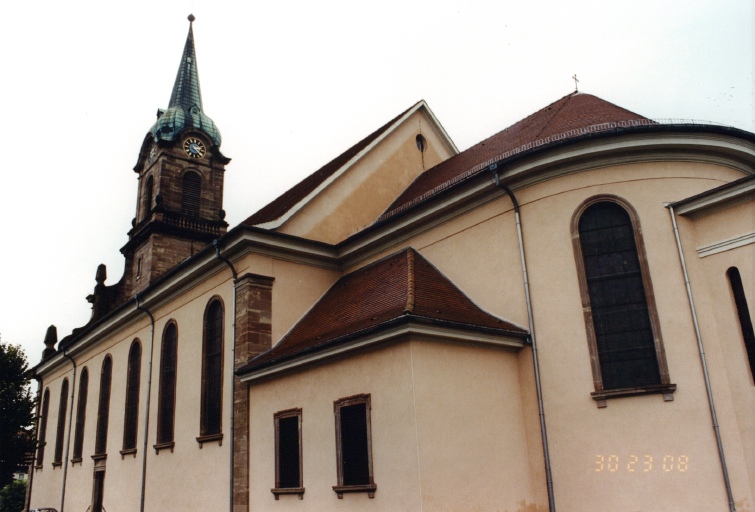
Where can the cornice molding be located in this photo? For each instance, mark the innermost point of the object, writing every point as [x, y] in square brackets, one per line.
[726, 245]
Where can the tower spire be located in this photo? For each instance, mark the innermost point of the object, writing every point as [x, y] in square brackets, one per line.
[185, 107]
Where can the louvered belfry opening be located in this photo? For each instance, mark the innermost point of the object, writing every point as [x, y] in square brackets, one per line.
[167, 396]
[103, 408]
[618, 301]
[131, 413]
[81, 407]
[212, 382]
[191, 193]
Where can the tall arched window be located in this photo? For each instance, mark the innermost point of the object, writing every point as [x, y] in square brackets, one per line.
[743, 314]
[190, 193]
[81, 410]
[103, 407]
[212, 370]
[148, 191]
[622, 324]
[131, 413]
[42, 435]
[167, 398]
[60, 432]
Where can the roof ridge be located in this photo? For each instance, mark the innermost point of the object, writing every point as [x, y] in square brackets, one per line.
[410, 281]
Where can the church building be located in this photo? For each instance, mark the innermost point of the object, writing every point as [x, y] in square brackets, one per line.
[557, 318]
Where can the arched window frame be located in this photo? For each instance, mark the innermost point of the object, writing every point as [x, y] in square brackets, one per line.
[131, 410]
[81, 406]
[600, 395]
[61, 430]
[42, 436]
[211, 406]
[103, 409]
[191, 192]
[166, 404]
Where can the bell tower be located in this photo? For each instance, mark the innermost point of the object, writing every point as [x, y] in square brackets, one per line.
[179, 207]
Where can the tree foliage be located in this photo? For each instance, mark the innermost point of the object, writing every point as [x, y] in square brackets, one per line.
[12, 496]
[16, 412]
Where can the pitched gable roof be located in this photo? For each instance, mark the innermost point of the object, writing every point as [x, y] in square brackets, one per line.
[299, 193]
[403, 286]
[572, 113]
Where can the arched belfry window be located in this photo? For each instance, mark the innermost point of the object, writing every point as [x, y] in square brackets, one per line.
[166, 405]
[212, 371]
[191, 192]
[622, 325]
[131, 413]
[42, 433]
[60, 432]
[81, 408]
[103, 408]
[149, 188]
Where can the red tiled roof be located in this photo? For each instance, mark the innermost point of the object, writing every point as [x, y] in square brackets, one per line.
[572, 112]
[292, 196]
[404, 285]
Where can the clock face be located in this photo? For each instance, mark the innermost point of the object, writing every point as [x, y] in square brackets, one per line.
[194, 148]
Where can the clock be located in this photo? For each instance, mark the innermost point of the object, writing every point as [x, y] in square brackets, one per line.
[194, 148]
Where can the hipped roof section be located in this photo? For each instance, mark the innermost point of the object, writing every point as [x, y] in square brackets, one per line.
[403, 286]
[287, 202]
[566, 116]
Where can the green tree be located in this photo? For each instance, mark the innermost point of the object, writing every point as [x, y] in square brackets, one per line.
[16, 412]
[12, 496]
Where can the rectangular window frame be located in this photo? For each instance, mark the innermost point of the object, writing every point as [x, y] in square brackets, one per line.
[278, 489]
[338, 405]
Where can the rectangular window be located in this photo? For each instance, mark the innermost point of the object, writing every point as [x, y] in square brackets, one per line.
[354, 445]
[288, 453]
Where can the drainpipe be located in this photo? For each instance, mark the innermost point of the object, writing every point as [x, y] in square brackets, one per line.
[216, 244]
[149, 395]
[27, 498]
[543, 430]
[68, 437]
[701, 350]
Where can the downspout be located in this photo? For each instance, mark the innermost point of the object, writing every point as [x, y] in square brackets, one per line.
[68, 437]
[27, 498]
[225, 260]
[714, 419]
[541, 409]
[149, 395]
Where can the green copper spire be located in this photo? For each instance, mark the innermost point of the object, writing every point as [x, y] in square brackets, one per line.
[185, 109]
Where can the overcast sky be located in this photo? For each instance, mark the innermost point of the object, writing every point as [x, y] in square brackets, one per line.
[291, 85]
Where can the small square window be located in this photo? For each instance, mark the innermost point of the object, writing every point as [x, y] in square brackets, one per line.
[354, 446]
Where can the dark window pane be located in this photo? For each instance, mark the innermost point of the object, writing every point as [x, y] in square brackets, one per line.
[743, 313]
[61, 421]
[43, 428]
[103, 408]
[131, 417]
[624, 336]
[81, 407]
[166, 405]
[212, 371]
[354, 447]
[288, 452]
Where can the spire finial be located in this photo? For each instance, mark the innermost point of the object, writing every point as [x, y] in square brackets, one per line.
[191, 18]
[576, 82]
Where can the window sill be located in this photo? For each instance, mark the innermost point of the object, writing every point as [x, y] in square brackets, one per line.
[129, 451]
[99, 456]
[76, 460]
[38, 467]
[368, 488]
[288, 490]
[164, 446]
[666, 390]
[210, 439]
[56, 464]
